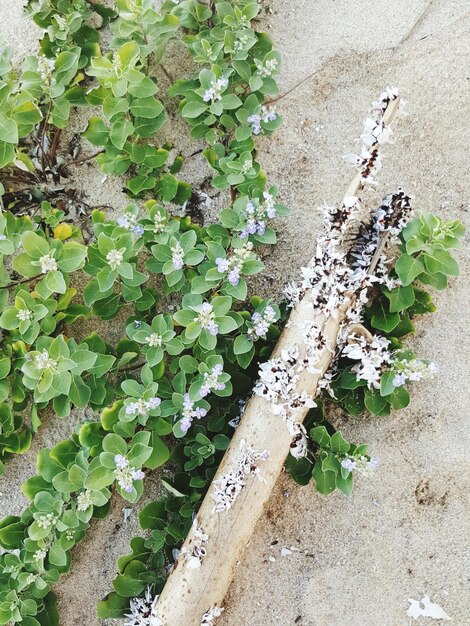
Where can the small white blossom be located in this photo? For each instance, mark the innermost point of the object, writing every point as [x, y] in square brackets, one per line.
[373, 356]
[260, 323]
[46, 521]
[125, 474]
[115, 258]
[44, 361]
[215, 90]
[84, 501]
[211, 381]
[266, 69]
[45, 68]
[206, 318]
[40, 554]
[48, 263]
[190, 412]
[24, 315]
[154, 340]
[266, 115]
[412, 370]
[177, 256]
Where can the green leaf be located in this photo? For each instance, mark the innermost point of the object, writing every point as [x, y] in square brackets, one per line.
[408, 268]
[166, 187]
[8, 129]
[146, 107]
[339, 444]
[374, 402]
[325, 482]
[386, 383]
[441, 261]
[382, 319]
[113, 607]
[401, 298]
[193, 109]
[97, 133]
[151, 515]
[66, 66]
[99, 478]
[7, 153]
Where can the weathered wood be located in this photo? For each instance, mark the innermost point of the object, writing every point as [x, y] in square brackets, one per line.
[189, 593]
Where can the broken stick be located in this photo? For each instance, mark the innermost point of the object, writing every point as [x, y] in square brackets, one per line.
[273, 416]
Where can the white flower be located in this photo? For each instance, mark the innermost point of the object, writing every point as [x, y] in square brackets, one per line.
[45, 68]
[154, 340]
[115, 257]
[125, 474]
[48, 263]
[46, 521]
[211, 381]
[84, 500]
[206, 318]
[215, 90]
[40, 554]
[268, 68]
[44, 361]
[24, 315]
[177, 256]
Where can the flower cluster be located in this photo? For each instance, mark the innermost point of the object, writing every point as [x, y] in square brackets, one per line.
[125, 474]
[142, 407]
[24, 315]
[195, 554]
[206, 318]
[144, 611]
[190, 411]
[45, 68]
[48, 263]
[209, 617]
[227, 488]
[266, 115]
[266, 69]
[215, 90]
[129, 221]
[177, 256]
[362, 464]
[233, 265]
[211, 381]
[257, 215]
[44, 361]
[413, 370]
[115, 258]
[84, 500]
[374, 357]
[47, 520]
[260, 323]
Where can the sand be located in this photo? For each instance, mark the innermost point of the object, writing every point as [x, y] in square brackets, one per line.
[404, 532]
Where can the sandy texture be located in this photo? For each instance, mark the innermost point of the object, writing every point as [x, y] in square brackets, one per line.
[404, 532]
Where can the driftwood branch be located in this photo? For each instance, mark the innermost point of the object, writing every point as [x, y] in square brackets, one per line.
[260, 445]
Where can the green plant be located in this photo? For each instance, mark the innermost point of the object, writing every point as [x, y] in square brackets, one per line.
[173, 389]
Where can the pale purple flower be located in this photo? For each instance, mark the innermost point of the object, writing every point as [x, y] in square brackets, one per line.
[222, 264]
[349, 464]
